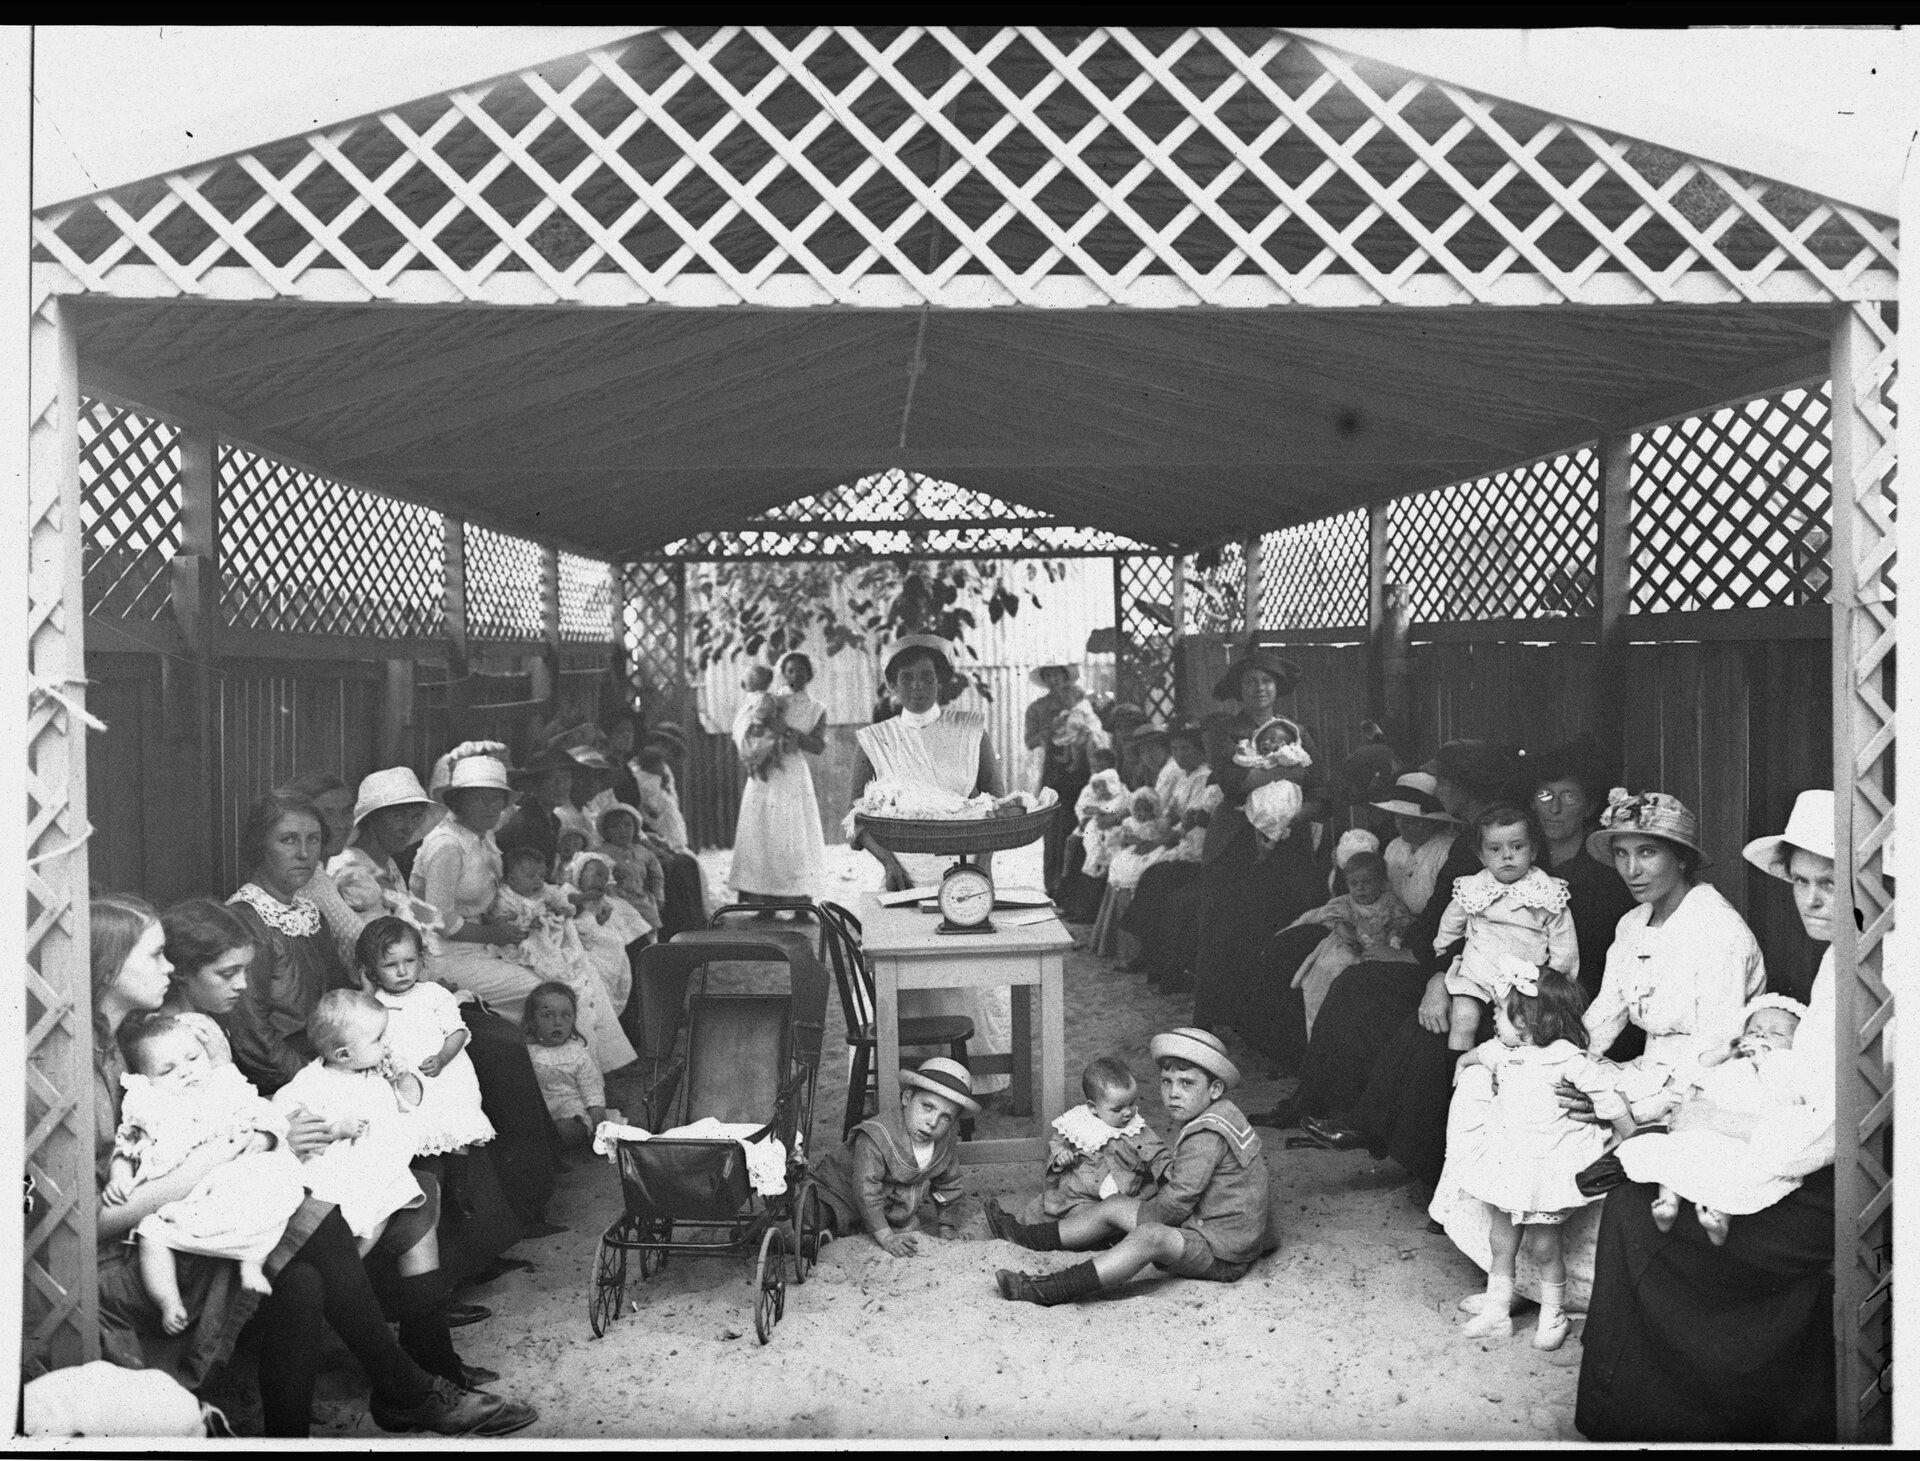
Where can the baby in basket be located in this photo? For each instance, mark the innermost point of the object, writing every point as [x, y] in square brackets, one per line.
[1272, 807]
[178, 1100]
[1756, 1074]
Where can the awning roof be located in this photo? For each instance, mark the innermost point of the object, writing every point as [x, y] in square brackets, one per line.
[618, 431]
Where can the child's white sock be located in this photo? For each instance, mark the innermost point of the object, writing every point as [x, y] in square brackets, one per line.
[1495, 1318]
[1552, 1328]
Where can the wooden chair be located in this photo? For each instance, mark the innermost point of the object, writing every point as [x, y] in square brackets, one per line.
[840, 933]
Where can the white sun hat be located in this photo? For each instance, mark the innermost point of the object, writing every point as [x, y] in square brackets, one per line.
[1809, 827]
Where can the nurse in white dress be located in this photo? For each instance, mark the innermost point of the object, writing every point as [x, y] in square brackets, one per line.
[939, 746]
[778, 851]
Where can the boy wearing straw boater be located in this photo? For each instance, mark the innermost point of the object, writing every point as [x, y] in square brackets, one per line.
[875, 1182]
[1211, 1216]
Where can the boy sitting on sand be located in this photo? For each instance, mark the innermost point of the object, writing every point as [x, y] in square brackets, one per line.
[1210, 1217]
[878, 1178]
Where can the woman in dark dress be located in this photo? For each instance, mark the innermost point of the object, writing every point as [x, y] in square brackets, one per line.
[1165, 912]
[1403, 1109]
[1368, 1004]
[1686, 1341]
[1246, 893]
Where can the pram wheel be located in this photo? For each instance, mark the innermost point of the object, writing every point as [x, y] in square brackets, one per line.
[609, 1286]
[770, 1284]
[806, 1230]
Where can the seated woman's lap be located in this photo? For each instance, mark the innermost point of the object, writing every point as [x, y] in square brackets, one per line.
[1363, 1009]
[521, 1152]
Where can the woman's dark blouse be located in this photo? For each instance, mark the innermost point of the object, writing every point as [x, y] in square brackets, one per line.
[1600, 901]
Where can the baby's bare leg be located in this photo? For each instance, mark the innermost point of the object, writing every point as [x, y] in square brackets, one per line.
[365, 1245]
[1666, 1207]
[253, 1277]
[161, 1280]
[1463, 1022]
[1714, 1221]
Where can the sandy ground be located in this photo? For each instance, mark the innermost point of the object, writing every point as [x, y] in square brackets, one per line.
[1348, 1332]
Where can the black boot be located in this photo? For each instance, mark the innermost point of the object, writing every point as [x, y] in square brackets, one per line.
[455, 1192]
[1041, 1237]
[1048, 1289]
[421, 1309]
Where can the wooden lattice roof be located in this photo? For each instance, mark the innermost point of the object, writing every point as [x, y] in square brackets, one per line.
[1117, 277]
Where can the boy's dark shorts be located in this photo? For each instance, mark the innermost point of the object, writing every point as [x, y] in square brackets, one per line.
[1196, 1260]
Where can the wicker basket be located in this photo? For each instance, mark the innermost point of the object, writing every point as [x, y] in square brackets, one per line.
[957, 834]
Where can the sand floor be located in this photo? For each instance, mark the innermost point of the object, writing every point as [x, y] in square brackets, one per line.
[1348, 1332]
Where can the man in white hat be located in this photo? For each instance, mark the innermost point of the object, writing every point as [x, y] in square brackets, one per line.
[893, 1162]
[1212, 1216]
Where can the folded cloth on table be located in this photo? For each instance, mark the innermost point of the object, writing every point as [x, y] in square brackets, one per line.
[766, 1159]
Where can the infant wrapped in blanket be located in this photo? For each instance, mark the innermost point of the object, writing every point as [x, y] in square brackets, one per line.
[1272, 807]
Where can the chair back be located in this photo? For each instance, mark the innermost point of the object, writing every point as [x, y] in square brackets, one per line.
[840, 932]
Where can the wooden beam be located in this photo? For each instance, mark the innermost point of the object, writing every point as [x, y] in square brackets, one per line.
[284, 348]
[1607, 713]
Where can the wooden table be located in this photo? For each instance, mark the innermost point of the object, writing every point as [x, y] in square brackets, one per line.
[906, 953]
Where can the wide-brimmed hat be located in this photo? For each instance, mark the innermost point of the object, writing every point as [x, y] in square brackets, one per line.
[619, 808]
[1809, 828]
[670, 734]
[1141, 734]
[476, 773]
[1196, 1047]
[946, 1078]
[1285, 672]
[1650, 814]
[940, 647]
[1582, 759]
[1187, 730]
[397, 786]
[1039, 673]
[1479, 766]
[1414, 796]
[1124, 716]
[540, 764]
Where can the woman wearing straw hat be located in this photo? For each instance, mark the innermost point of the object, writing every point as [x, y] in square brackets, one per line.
[932, 744]
[1686, 1341]
[1681, 967]
[457, 873]
[390, 814]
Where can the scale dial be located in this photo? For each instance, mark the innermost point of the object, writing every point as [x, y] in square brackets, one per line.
[966, 896]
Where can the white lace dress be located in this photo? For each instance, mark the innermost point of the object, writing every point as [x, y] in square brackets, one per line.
[449, 1115]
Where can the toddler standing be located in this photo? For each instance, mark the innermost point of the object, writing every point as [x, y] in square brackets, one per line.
[1524, 1163]
[178, 1100]
[569, 1079]
[1103, 1148]
[1271, 808]
[1510, 907]
[426, 1034]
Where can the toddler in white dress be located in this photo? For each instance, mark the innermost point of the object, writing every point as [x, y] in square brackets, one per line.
[1755, 1075]
[365, 1170]
[552, 949]
[1272, 807]
[427, 1035]
[1523, 1164]
[1509, 909]
[177, 1101]
[1101, 807]
[1139, 841]
[570, 1082]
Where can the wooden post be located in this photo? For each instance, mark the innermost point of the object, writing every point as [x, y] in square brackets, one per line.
[1179, 597]
[454, 570]
[549, 628]
[1122, 658]
[189, 693]
[619, 694]
[1607, 712]
[1386, 633]
[396, 713]
[60, 1306]
[1863, 747]
[1250, 613]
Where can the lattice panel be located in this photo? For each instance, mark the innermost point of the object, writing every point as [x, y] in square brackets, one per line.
[129, 510]
[897, 496]
[1217, 591]
[656, 635]
[1314, 576]
[1144, 588]
[305, 555]
[586, 600]
[1520, 545]
[903, 166]
[503, 586]
[1731, 510]
[59, 1319]
[1864, 746]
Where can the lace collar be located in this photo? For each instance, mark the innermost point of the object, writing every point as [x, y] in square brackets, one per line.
[1080, 1129]
[298, 919]
[1536, 890]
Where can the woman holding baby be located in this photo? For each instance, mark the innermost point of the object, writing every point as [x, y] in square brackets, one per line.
[778, 852]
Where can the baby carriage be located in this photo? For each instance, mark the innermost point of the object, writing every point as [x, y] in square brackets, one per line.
[750, 1060]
